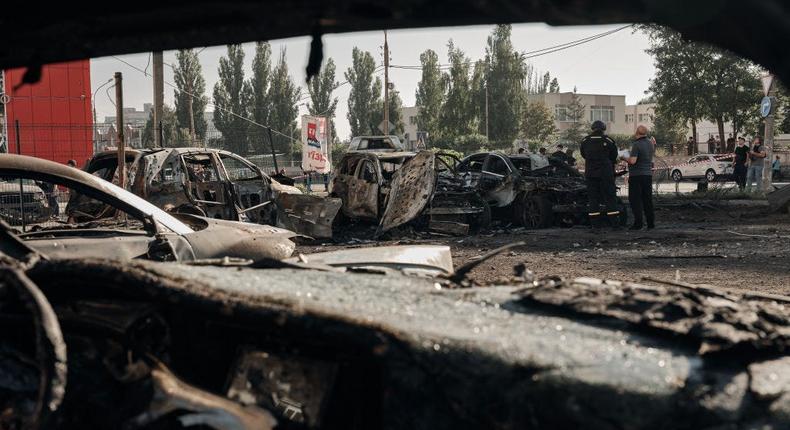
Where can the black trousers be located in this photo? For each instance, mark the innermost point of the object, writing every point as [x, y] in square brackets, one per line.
[739, 172]
[640, 196]
[602, 192]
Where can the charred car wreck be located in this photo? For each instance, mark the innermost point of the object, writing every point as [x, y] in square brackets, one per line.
[207, 182]
[97, 344]
[530, 190]
[396, 188]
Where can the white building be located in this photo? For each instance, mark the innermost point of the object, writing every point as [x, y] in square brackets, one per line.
[409, 115]
[607, 108]
[645, 114]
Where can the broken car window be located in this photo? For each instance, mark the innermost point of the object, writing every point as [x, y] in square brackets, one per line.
[497, 165]
[238, 170]
[367, 173]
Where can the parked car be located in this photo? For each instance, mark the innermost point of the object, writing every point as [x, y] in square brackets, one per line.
[202, 181]
[31, 200]
[707, 167]
[376, 144]
[531, 190]
[122, 226]
[394, 188]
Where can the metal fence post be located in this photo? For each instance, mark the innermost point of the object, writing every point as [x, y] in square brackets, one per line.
[21, 186]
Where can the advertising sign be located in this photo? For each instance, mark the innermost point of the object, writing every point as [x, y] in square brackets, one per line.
[315, 145]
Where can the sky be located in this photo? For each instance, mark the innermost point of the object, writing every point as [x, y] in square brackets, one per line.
[616, 64]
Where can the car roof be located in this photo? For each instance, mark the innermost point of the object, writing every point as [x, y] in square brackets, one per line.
[24, 164]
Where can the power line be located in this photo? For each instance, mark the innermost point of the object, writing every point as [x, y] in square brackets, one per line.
[532, 54]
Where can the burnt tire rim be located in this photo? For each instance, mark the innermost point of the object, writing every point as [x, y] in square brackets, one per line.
[532, 214]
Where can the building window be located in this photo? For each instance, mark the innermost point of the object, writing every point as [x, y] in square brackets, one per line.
[602, 113]
[561, 113]
[413, 120]
[644, 117]
[629, 117]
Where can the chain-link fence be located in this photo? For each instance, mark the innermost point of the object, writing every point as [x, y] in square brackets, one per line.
[25, 203]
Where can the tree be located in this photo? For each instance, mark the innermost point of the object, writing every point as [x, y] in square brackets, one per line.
[365, 93]
[504, 78]
[172, 134]
[575, 115]
[679, 80]
[283, 96]
[731, 89]
[458, 113]
[554, 86]
[190, 93]
[320, 89]
[395, 113]
[538, 122]
[232, 98]
[259, 83]
[430, 94]
[478, 89]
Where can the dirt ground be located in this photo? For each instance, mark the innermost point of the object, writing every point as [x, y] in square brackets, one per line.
[742, 248]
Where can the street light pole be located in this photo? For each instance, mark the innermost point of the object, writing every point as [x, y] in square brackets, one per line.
[768, 140]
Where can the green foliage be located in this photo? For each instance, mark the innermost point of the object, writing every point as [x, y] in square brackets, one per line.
[338, 150]
[232, 99]
[578, 126]
[458, 113]
[468, 144]
[395, 112]
[320, 88]
[538, 122]
[669, 131]
[623, 141]
[430, 94]
[478, 90]
[283, 95]
[190, 86]
[554, 86]
[260, 81]
[504, 77]
[365, 96]
[172, 135]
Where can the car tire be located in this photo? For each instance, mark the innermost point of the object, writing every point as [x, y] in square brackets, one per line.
[677, 176]
[710, 175]
[623, 208]
[534, 211]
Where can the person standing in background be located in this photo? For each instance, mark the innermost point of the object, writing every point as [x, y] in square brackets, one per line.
[600, 152]
[776, 169]
[739, 165]
[756, 162]
[640, 179]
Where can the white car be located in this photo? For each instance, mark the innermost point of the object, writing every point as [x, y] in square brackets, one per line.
[708, 167]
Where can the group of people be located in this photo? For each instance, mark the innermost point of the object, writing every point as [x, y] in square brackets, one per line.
[600, 154]
[749, 162]
[561, 153]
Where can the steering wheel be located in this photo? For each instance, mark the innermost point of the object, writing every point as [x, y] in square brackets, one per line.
[49, 358]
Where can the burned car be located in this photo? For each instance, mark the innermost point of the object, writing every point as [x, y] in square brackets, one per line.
[531, 190]
[28, 200]
[100, 344]
[208, 182]
[395, 188]
[121, 225]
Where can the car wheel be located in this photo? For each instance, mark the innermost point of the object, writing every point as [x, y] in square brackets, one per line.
[534, 211]
[677, 176]
[710, 175]
[623, 212]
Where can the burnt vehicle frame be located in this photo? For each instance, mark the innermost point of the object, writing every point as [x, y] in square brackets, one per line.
[203, 181]
[553, 193]
[395, 188]
[129, 227]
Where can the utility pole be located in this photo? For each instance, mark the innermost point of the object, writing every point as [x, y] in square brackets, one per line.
[159, 96]
[386, 85]
[119, 124]
[487, 77]
[192, 135]
[768, 140]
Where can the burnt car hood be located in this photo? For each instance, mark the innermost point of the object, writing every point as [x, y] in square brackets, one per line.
[494, 357]
[308, 215]
[411, 189]
[217, 238]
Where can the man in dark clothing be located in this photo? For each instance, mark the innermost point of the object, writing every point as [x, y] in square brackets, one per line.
[559, 154]
[600, 152]
[640, 179]
[569, 156]
[739, 166]
[690, 144]
[730, 145]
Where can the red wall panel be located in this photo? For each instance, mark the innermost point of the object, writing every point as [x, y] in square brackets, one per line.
[54, 114]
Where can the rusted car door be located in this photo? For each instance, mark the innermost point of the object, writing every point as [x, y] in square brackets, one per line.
[411, 189]
[496, 181]
[206, 187]
[363, 190]
[250, 188]
[165, 180]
